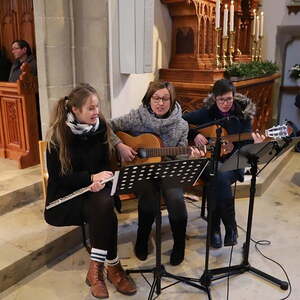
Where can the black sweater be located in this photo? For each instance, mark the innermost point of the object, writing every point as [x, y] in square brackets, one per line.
[89, 155]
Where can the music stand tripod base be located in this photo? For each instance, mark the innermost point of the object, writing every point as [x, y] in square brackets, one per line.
[183, 172]
[249, 155]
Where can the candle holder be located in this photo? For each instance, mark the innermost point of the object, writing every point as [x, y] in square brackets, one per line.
[231, 47]
[224, 49]
[217, 48]
[259, 55]
[253, 47]
[257, 46]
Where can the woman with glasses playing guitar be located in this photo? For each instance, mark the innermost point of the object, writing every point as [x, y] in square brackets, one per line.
[161, 115]
[223, 103]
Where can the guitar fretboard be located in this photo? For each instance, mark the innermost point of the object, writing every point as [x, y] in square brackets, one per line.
[165, 151]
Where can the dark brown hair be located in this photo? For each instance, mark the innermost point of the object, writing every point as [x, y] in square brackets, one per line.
[158, 85]
[23, 44]
[222, 87]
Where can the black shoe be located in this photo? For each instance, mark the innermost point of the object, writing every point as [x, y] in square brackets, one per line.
[177, 255]
[178, 228]
[141, 250]
[231, 236]
[144, 229]
[216, 239]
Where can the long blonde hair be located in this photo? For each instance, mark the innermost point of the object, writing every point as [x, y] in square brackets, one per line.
[58, 135]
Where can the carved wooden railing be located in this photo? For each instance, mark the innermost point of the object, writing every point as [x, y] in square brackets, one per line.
[18, 120]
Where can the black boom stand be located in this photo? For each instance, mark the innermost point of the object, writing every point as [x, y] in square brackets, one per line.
[184, 172]
[249, 155]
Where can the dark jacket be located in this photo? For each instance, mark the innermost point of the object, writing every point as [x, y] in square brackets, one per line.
[4, 67]
[243, 110]
[15, 70]
[89, 155]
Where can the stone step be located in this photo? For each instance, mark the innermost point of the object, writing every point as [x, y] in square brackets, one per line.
[27, 243]
[18, 187]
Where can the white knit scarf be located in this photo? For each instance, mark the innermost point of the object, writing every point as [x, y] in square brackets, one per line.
[79, 128]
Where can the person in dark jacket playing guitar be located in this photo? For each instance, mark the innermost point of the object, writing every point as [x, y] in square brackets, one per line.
[161, 115]
[224, 102]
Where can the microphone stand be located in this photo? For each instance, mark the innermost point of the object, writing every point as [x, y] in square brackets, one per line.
[205, 279]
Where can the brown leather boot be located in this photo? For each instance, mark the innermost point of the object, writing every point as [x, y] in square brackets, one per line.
[96, 281]
[118, 277]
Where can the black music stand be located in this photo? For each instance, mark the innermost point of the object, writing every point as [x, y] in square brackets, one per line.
[184, 172]
[249, 155]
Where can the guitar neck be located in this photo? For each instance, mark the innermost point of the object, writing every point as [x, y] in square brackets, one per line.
[239, 137]
[164, 151]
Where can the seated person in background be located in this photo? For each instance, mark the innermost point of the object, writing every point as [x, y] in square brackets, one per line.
[161, 115]
[4, 67]
[78, 156]
[224, 102]
[22, 53]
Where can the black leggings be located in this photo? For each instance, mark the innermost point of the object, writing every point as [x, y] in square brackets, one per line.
[148, 195]
[98, 212]
[96, 209]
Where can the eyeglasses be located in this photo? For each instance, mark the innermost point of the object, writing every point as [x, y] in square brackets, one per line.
[157, 99]
[223, 100]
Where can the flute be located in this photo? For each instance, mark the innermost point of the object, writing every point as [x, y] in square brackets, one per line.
[74, 194]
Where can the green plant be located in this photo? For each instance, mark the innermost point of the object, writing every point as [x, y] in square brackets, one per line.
[251, 69]
[295, 72]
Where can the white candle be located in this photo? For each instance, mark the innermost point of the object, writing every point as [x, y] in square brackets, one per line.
[231, 20]
[257, 28]
[261, 24]
[254, 22]
[218, 8]
[225, 21]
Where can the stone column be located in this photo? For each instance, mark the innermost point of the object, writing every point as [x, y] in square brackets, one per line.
[91, 47]
[53, 27]
[71, 46]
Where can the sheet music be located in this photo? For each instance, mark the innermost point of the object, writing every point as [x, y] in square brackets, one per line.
[183, 172]
[115, 182]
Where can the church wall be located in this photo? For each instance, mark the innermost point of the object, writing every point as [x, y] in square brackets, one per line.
[53, 50]
[128, 90]
[91, 47]
[276, 49]
[275, 15]
[72, 43]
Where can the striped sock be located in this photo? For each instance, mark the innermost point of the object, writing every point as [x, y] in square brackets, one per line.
[112, 262]
[98, 255]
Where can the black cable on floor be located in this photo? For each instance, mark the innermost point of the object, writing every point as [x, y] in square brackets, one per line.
[268, 243]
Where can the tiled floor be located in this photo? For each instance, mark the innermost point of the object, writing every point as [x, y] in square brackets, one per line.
[276, 218]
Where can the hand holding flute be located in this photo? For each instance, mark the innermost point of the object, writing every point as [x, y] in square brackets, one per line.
[98, 180]
[94, 187]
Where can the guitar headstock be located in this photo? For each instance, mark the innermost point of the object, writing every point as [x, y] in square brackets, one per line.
[279, 131]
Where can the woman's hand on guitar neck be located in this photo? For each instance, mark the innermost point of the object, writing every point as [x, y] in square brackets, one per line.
[126, 152]
[258, 138]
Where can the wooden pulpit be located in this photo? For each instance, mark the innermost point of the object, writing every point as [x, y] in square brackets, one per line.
[18, 120]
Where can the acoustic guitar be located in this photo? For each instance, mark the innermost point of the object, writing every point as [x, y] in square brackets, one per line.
[150, 147]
